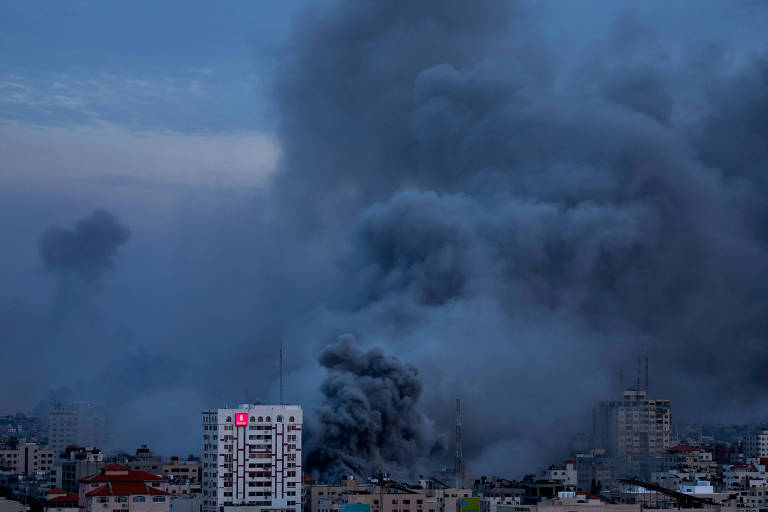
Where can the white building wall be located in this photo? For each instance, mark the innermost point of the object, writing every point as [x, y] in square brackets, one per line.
[253, 463]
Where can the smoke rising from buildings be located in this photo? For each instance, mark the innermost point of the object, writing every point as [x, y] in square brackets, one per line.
[514, 219]
[369, 421]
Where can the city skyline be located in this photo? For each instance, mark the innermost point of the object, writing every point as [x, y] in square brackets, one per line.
[502, 202]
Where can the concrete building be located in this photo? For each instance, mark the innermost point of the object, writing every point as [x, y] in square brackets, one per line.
[252, 458]
[78, 462]
[59, 500]
[118, 488]
[22, 458]
[565, 474]
[383, 495]
[756, 445]
[633, 426]
[182, 470]
[144, 460]
[77, 423]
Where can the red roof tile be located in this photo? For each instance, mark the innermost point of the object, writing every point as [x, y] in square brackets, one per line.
[126, 489]
[56, 490]
[66, 498]
[115, 467]
[682, 448]
[134, 475]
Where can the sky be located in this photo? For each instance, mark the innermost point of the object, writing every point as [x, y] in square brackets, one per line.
[503, 202]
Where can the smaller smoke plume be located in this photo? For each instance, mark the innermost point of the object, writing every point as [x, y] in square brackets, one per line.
[369, 422]
[86, 250]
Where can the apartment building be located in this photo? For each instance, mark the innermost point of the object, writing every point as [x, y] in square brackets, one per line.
[78, 462]
[252, 458]
[77, 423]
[756, 445]
[182, 470]
[24, 458]
[633, 426]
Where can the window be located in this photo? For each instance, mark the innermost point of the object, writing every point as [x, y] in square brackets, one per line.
[279, 419]
[158, 499]
[253, 418]
[261, 419]
[291, 419]
[139, 499]
[269, 419]
[229, 419]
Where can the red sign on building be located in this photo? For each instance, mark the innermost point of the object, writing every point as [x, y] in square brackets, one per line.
[241, 419]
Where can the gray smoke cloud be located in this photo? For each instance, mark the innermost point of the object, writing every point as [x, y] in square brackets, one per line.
[86, 250]
[514, 200]
[535, 220]
[369, 421]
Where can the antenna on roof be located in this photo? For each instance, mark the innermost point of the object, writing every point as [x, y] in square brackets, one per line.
[281, 373]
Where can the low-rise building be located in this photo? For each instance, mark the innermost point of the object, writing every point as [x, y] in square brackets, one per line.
[119, 488]
[59, 500]
[565, 474]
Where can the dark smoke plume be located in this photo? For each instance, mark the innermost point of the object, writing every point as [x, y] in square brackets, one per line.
[86, 250]
[516, 203]
[369, 421]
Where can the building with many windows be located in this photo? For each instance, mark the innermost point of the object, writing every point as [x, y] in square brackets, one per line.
[252, 459]
[78, 423]
[635, 425]
[22, 458]
[756, 445]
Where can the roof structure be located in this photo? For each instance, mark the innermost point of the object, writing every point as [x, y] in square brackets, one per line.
[127, 489]
[58, 495]
[119, 480]
[120, 473]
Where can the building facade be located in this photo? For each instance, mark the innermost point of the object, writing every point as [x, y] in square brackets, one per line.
[78, 462]
[78, 423]
[633, 426]
[25, 458]
[117, 488]
[59, 500]
[252, 458]
[756, 445]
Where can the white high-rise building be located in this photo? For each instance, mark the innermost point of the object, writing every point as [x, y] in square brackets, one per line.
[252, 459]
